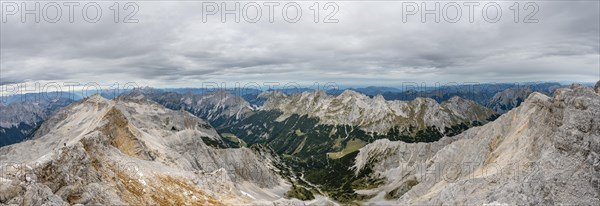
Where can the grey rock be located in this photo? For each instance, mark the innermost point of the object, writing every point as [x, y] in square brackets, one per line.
[20, 119]
[544, 152]
[377, 114]
[220, 107]
[126, 152]
[508, 99]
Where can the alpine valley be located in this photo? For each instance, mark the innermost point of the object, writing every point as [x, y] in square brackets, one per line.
[532, 145]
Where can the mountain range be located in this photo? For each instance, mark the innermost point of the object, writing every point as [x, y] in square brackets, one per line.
[133, 151]
[15, 127]
[545, 152]
[21, 118]
[152, 146]
[376, 115]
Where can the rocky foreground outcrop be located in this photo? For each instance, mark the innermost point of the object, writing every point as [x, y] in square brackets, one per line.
[544, 152]
[130, 151]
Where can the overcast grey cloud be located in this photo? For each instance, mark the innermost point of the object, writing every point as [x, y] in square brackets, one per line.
[370, 45]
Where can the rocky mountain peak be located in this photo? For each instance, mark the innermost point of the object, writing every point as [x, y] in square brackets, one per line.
[424, 100]
[131, 152]
[218, 107]
[19, 120]
[272, 94]
[547, 145]
[96, 98]
[379, 98]
[348, 93]
[456, 100]
[377, 114]
[537, 97]
[509, 98]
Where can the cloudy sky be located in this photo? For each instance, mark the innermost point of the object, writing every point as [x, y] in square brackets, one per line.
[171, 46]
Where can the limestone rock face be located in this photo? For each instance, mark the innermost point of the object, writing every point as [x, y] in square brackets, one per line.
[544, 152]
[377, 114]
[20, 119]
[504, 101]
[221, 108]
[131, 151]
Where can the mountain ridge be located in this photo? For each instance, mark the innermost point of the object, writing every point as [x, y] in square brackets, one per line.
[545, 146]
[133, 151]
[19, 120]
[377, 114]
